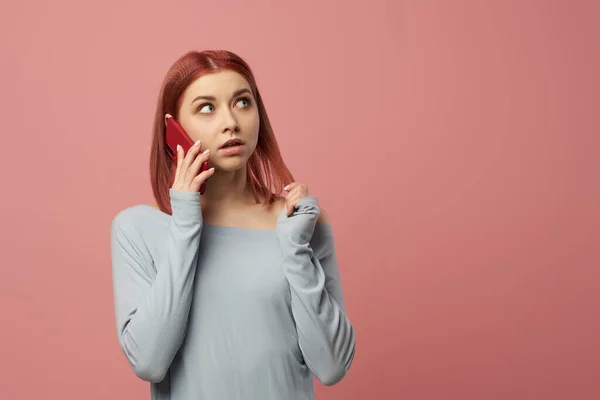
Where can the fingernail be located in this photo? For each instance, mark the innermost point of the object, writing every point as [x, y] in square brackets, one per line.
[178, 147]
[286, 188]
[197, 143]
[206, 151]
[211, 169]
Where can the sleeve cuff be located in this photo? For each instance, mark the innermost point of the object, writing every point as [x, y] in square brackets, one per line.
[185, 206]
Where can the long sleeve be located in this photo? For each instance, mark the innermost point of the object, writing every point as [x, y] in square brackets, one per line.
[152, 302]
[326, 336]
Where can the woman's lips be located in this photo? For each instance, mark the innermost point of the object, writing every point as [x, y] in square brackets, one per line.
[232, 150]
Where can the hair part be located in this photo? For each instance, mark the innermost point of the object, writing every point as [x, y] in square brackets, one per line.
[267, 173]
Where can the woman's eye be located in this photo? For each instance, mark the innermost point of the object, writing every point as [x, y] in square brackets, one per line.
[206, 108]
[243, 103]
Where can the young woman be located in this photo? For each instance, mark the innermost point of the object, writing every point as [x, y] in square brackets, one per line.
[235, 293]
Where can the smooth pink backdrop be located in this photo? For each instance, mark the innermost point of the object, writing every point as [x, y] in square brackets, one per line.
[454, 145]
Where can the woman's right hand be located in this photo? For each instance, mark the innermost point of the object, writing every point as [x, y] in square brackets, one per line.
[187, 178]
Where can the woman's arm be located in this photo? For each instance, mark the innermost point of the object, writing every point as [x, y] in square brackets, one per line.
[325, 334]
[152, 307]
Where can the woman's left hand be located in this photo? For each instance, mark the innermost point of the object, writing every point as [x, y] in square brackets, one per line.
[293, 193]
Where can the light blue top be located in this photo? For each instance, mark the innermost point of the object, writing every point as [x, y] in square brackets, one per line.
[218, 313]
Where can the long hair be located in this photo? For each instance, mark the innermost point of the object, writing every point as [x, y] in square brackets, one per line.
[267, 173]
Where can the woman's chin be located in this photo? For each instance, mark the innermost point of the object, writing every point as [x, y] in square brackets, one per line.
[230, 164]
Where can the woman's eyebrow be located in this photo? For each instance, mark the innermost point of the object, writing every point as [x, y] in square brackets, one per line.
[212, 98]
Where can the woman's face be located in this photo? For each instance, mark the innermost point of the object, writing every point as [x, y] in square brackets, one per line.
[217, 108]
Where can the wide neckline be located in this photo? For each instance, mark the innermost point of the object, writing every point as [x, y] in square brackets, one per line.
[225, 230]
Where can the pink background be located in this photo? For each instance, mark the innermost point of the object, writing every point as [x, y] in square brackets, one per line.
[454, 145]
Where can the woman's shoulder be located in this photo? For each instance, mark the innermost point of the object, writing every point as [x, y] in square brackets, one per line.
[139, 218]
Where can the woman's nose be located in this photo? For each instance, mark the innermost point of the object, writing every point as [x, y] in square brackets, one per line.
[230, 123]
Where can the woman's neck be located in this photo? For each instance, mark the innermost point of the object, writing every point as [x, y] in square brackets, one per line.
[227, 189]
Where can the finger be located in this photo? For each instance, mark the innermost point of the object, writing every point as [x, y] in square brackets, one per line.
[289, 198]
[179, 161]
[201, 177]
[290, 209]
[191, 155]
[297, 189]
[296, 194]
[195, 167]
[289, 187]
[291, 203]
[287, 194]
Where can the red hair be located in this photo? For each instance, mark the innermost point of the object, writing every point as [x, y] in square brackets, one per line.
[267, 173]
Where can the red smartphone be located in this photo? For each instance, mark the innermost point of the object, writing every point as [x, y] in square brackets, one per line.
[175, 135]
